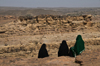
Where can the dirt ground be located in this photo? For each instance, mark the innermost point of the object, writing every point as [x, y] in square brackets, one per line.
[88, 57]
[2, 21]
[91, 55]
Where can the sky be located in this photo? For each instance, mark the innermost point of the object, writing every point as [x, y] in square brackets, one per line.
[50, 3]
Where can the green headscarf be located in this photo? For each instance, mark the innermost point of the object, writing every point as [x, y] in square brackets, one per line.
[79, 45]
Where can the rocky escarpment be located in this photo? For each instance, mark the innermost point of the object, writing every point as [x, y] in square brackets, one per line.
[46, 24]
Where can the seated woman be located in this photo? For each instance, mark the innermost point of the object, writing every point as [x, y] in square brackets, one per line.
[78, 47]
[63, 49]
[43, 52]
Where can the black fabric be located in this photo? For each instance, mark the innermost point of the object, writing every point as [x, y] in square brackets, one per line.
[43, 52]
[71, 53]
[63, 49]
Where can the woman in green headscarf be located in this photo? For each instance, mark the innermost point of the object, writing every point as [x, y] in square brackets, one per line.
[78, 47]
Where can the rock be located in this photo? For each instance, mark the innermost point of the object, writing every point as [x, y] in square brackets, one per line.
[2, 31]
[3, 35]
[28, 52]
[89, 24]
[44, 24]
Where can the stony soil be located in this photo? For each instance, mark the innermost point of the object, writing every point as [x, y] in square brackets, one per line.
[21, 48]
[88, 57]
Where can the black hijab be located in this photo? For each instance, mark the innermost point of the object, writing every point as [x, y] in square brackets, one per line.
[63, 49]
[43, 52]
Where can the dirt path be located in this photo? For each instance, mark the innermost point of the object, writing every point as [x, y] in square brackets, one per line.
[2, 22]
[48, 39]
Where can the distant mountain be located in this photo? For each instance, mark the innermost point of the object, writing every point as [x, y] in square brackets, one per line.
[85, 10]
[18, 11]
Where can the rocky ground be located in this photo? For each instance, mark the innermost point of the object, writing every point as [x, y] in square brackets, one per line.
[21, 39]
[88, 57]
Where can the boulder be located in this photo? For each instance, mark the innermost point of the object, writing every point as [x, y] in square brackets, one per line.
[89, 24]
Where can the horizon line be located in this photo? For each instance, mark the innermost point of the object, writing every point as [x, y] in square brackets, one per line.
[48, 7]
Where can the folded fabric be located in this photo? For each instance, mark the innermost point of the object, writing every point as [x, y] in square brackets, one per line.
[72, 52]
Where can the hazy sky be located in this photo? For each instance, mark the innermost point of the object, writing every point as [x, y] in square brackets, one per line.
[50, 3]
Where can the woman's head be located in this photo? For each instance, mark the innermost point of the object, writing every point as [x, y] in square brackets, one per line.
[43, 46]
[79, 37]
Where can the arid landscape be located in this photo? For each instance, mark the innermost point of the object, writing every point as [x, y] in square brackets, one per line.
[24, 30]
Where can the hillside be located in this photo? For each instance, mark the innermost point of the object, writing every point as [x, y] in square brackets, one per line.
[77, 11]
[18, 11]
[26, 11]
